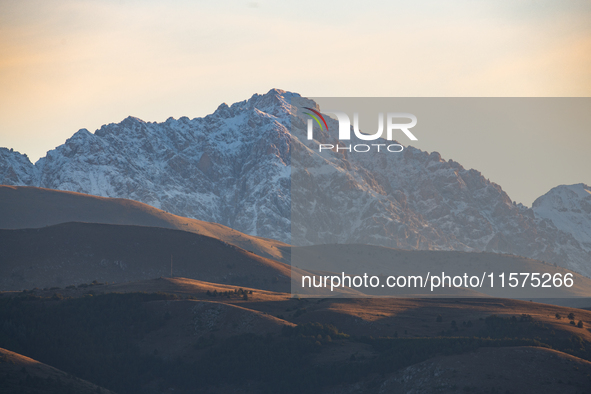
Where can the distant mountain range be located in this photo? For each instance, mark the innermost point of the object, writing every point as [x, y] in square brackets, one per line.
[234, 167]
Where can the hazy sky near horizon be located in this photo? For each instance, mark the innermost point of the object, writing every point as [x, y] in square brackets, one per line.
[72, 64]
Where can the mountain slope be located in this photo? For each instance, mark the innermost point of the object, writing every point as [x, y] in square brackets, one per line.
[501, 370]
[21, 374]
[157, 342]
[76, 253]
[31, 207]
[412, 200]
[234, 167]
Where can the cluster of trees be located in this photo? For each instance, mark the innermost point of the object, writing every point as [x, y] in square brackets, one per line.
[85, 285]
[313, 330]
[237, 293]
[525, 326]
[571, 317]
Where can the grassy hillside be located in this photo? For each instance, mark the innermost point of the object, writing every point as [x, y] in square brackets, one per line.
[20, 374]
[32, 207]
[192, 341]
[75, 253]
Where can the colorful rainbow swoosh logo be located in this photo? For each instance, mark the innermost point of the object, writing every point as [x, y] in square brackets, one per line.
[316, 117]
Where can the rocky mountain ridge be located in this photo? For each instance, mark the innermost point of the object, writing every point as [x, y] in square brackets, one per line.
[234, 167]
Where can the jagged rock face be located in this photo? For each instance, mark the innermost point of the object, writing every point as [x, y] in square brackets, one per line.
[231, 167]
[234, 167]
[16, 168]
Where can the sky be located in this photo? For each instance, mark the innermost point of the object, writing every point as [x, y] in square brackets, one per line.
[72, 64]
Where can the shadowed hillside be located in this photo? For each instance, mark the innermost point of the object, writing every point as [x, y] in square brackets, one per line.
[32, 207]
[486, 370]
[188, 340]
[76, 253]
[20, 374]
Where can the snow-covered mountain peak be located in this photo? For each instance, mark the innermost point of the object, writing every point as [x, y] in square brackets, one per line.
[568, 207]
[81, 134]
[234, 167]
[564, 198]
